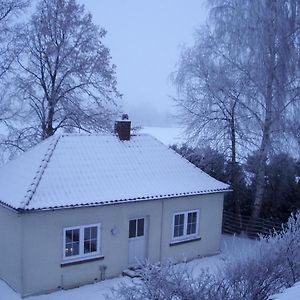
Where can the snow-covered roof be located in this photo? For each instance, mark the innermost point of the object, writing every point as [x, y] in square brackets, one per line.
[80, 170]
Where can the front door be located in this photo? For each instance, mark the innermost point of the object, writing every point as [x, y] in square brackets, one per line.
[137, 241]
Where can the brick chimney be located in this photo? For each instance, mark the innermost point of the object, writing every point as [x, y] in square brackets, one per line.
[122, 128]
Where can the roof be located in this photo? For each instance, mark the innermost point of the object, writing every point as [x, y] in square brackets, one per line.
[78, 170]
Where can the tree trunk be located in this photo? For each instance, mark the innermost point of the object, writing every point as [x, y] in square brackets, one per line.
[234, 174]
[263, 156]
[260, 177]
[270, 66]
[49, 131]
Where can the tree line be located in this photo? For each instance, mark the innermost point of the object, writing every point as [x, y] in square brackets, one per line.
[55, 73]
[238, 86]
[281, 195]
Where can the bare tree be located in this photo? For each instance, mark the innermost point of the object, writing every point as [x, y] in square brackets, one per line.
[9, 9]
[210, 98]
[66, 77]
[259, 41]
[9, 50]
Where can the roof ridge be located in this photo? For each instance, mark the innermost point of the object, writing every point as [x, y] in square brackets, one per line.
[88, 134]
[40, 171]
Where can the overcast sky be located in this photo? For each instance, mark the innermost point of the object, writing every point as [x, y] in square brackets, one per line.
[145, 37]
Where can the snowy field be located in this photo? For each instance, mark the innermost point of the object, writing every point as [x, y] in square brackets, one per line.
[231, 248]
[167, 135]
[292, 293]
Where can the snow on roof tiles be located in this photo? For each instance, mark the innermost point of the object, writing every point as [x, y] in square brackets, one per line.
[79, 170]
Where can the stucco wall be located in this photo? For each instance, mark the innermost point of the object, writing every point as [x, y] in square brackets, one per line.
[210, 226]
[10, 248]
[43, 239]
[43, 245]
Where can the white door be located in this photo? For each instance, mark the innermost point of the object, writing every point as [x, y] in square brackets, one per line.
[137, 242]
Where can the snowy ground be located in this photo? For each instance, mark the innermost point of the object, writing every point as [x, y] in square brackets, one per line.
[231, 248]
[292, 293]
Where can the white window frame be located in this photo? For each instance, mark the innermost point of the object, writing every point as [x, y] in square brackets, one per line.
[186, 236]
[82, 255]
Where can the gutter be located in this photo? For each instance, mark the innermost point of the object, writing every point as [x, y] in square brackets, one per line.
[110, 202]
[12, 209]
[22, 256]
[161, 229]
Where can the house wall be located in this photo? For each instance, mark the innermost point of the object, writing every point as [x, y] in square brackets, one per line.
[210, 227]
[43, 243]
[43, 239]
[10, 248]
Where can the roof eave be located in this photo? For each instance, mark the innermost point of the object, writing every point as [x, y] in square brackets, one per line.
[9, 207]
[120, 201]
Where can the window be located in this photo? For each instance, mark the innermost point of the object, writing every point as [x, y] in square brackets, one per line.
[136, 228]
[81, 242]
[185, 224]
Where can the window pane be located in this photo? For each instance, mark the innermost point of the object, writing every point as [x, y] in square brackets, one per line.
[178, 225]
[72, 249]
[72, 242]
[68, 249]
[93, 245]
[132, 228]
[140, 227]
[75, 248]
[179, 219]
[192, 217]
[90, 239]
[94, 232]
[75, 235]
[178, 230]
[87, 246]
[87, 233]
[176, 233]
[192, 222]
[68, 236]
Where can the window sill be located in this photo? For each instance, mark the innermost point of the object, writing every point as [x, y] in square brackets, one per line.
[81, 261]
[188, 240]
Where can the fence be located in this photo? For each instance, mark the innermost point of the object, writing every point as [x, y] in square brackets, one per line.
[232, 224]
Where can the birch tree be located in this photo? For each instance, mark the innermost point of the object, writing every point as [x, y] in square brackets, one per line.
[266, 39]
[67, 79]
[259, 41]
[210, 93]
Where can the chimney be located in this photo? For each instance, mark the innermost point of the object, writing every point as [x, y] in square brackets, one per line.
[122, 128]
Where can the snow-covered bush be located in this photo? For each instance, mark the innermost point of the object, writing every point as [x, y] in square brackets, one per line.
[254, 276]
[272, 264]
[172, 283]
[265, 268]
[285, 246]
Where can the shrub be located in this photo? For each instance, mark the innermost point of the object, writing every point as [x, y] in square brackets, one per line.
[170, 282]
[266, 268]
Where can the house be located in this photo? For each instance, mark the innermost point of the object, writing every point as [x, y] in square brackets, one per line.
[80, 208]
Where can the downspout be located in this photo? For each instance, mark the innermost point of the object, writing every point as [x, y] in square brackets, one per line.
[21, 216]
[161, 228]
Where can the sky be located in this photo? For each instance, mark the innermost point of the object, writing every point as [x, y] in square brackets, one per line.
[145, 38]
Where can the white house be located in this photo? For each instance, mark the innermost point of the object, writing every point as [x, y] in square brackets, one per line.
[78, 208]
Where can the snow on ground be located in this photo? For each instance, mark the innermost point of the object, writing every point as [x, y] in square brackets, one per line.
[167, 135]
[231, 248]
[292, 293]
